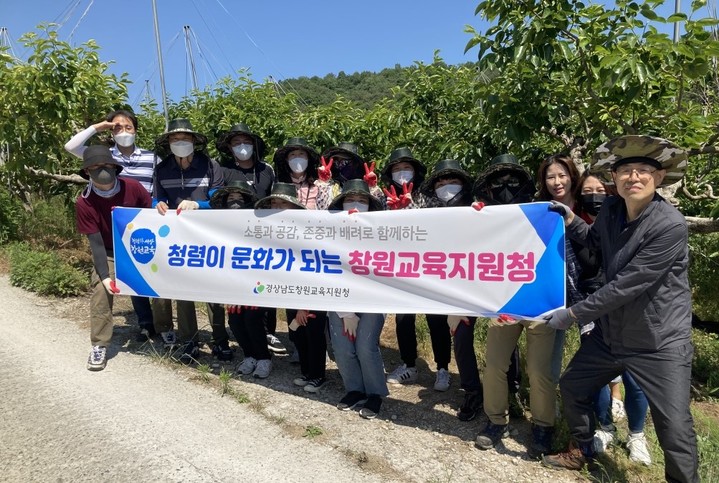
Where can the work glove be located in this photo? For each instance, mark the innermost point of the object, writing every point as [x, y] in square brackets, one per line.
[324, 170]
[393, 201]
[110, 285]
[562, 319]
[563, 210]
[478, 205]
[237, 309]
[405, 198]
[504, 319]
[454, 320]
[187, 205]
[302, 316]
[350, 323]
[370, 177]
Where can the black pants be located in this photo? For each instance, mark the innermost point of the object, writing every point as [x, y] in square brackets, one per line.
[665, 378]
[143, 310]
[311, 343]
[249, 329]
[438, 333]
[216, 314]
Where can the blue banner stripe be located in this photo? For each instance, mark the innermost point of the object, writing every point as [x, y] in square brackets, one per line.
[121, 217]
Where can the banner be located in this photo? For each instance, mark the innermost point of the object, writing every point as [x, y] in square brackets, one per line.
[501, 260]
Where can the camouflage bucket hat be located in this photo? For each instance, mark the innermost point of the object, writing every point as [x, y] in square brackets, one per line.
[359, 187]
[280, 191]
[506, 164]
[176, 126]
[671, 157]
[219, 198]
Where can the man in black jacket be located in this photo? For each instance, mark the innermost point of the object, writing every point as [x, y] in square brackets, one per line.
[644, 310]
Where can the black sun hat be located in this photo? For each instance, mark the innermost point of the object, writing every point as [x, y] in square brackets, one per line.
[280, 191]
[347, 150]
[504, 163]
[97, 154]
[219, 197]
[179, 125]
[224, 138]
[352, 187]
[399, 155]
[443, 168]
[280, 158]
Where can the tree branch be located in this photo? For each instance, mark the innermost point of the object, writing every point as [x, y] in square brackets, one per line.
[63, 178]
[707, 149]
[708, 194]
[702, 225]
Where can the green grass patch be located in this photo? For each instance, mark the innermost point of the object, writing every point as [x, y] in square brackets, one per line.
[44, 272]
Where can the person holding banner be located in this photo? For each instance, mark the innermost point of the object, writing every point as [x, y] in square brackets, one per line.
[93, 212]
[137, 164]
[644, 308]
[184, 180]
[339, 164]
[355, 337]
[504, 182]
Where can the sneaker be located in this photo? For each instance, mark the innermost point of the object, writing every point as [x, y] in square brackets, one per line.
[442, 382]
[516, 407]
[147, 332]
[541, 441]
[371, 407]
[190, 352]
[618, 412]
[490, 436]
[314, 385]
[638, 449]
[97, 359]
[274, 344]
[603, 437]
[572, 459]
[169, 340]
[301, 381]
[294, 358]
[402, 375]
[264, 366]
[222, 351]
[351, 400]
[247, 366]
[471, 406]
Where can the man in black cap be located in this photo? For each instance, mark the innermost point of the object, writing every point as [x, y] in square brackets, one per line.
[93, 212]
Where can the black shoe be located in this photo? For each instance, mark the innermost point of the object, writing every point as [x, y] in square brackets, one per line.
[147, 332]
[371, 407]
[471, 406]
[222, 351]
[541, 441]
[351, 400]
[490, 436]
[190, 353]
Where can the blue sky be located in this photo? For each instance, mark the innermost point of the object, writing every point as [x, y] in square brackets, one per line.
[282, 39]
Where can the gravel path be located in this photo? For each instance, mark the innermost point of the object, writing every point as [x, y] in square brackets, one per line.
[144, 419]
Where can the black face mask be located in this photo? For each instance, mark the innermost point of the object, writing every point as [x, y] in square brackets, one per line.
[348, 170]
[592, 203]
[236, 204]
[103, 176]
[505, 194]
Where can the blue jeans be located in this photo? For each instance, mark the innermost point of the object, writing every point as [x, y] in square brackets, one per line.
[360, 362]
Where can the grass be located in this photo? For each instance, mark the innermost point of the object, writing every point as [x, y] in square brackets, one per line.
[312, 431]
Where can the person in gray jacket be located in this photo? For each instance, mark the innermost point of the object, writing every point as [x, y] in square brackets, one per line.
[644, 310]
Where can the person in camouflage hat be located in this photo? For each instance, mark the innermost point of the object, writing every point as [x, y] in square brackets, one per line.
[643, 312]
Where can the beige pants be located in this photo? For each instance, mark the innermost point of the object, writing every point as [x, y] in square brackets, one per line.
[101, 308]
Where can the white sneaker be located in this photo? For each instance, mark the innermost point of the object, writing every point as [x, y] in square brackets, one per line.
[638, 450]
[169, 340]
[603, 437]
[264, 366]
[247, 366]
[442, 381]
[402, 375]
[618, 412]
[97, 360]
[275, 345]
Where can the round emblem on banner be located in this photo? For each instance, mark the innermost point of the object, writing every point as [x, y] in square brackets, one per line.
[142, 245]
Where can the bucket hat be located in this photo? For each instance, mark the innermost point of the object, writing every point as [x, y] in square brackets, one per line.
[399, 155]
[442, 169]
[671, 157]
[280, 191]
[97, 154]
[504, 163]
[224, 138]
[179, 125]
[280, 158]
[355, 186]
[219, 198]
[347, 150]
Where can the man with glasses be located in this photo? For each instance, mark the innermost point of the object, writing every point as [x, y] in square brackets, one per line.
[644, 309]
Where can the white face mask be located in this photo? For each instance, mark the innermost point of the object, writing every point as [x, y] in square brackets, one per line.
[357, 205]
[448, 191]
[243, 152]
[182, 149]
[124, 139]
[297, 165]
[403, 176]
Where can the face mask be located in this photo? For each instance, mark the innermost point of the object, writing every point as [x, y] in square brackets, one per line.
[347, 170]
[236, 204]
[402, 177]
[593, 202]
[124, 139]
[357, 205]
[182, 149]
[448, 191]
[243, 152]
[297, 165]
[103, 175]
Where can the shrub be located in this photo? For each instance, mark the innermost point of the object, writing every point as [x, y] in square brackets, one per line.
[705, 367]
[50, 224]
[44, 272]
[704, 275]
[11, 214]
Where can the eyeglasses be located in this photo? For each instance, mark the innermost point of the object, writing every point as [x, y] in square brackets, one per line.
[118, 128]
[624, 172]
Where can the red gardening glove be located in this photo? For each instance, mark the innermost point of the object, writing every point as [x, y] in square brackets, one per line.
[353, 211]
[233, 309]
[478, 205]
[506, 319]
[393, 201]
[324, 170]
[406, 198]
[110, 285]
[369, 177]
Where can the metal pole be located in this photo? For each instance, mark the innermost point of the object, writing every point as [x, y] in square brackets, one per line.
[188, 48]
[677, 9]
[159, 59]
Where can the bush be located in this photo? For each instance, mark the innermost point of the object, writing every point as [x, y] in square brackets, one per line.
[704, 275]
[44, 272]
[11, 214]
[50, 225]
[705, 367]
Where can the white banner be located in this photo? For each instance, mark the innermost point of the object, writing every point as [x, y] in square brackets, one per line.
[500, 260]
